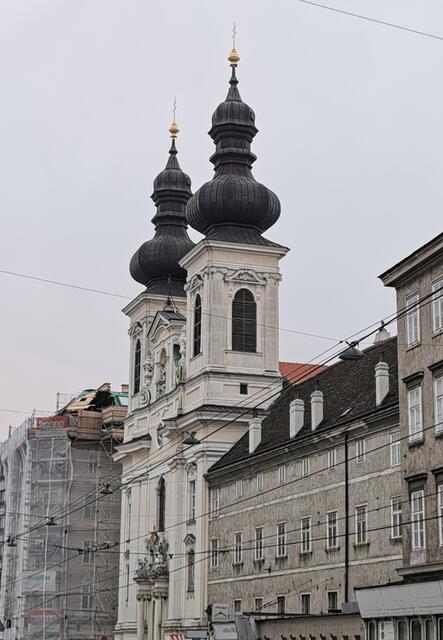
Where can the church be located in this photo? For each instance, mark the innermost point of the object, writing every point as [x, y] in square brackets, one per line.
[204, 370]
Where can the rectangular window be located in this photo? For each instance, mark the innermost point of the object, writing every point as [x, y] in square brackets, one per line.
[306, 535]
[258, 546]
[438, 404]
[440, 515]
[258, 604]
[360, 450]
[243, 389]
[332, 601]
[214, 503]
[332, 458]
[396, 517]
[413, 320]
[281, 474]
[259, 481]
[281, 540]
[394, 448]
[361, 524]
[192, 500]
[281, 604]
[305, 603]
[418, 520]
[91, 468]
[437, 306]
[214, 553]
[238, 548]
[238, 488]
[331, 531]
[415, 414]
[305, 467]
[87, 552]
[86, 597]
[237, 606]
[88, 507]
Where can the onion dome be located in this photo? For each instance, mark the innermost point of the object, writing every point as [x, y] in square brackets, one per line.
[155, 264]
[233, 206]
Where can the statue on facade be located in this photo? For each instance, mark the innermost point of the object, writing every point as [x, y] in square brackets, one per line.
[156, 561]
[181, 364]
[161, 380]
[148, 369]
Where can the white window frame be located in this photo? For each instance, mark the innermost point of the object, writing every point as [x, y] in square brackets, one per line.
[440, 513]
[396, 517]
[437, 306]
[282, 540]
[214, 503]
[303, 595]
[305, 466]
[360, 450]
[415, 414]
[438, 403]
[332, 458]
[239, 488]
[413, 319]
[306, 534]
[215, 552]
[258, 544]
[281, 598]
[238, 547]
[192, 489]
[418, 529]
[394, 448]
[260, 481]
[360, 530]
[86, 597]
[87, 552]
[336, 596]
[281, 474]
[332, 540]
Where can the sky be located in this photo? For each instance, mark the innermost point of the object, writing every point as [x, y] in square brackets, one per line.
[350, 138]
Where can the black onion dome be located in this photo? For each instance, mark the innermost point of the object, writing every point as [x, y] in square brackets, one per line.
[233, 206]
[155, 264]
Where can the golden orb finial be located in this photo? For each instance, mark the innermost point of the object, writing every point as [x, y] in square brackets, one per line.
[173, 129]
[233, 58]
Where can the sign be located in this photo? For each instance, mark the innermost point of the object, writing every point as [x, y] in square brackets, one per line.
[53, 422]
[386, 630]
[43, 619]
[220, 613]
[40, 582]
[225, 631]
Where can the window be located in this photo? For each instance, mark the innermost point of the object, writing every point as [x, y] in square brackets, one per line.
[360, 450]
[438, 404]
[197, 325]
[306, 535]
[440, 515]
[413, 320]
[190, 557]
[281, 604]
[214, 553]
[192, 500]
[437, 305]
[361, 524]
[244, 322]
[394, 448]
[87, 552]
[259, 481]
[396, 517]
[137, 366]
[214, 502]
[92, 467]
[238, 548]
[258, 546]
[281, 540]
[429, 629]
[305, 603]
[88, 507]
[415, 414]
[332, 458]
[417, 518]
[86, 597]
[258, 604]
[416, 630]
[331, 530]
[238, 488]
[243, 389]
[281, 474]
[161, 504]
[127, 586]
[305, 467]
[332, 601]
[237, 606]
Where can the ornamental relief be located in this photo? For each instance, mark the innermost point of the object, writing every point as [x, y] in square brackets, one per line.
[247, 275]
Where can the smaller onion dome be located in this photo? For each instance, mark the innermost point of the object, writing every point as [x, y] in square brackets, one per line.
[155, 263]
[233, 206]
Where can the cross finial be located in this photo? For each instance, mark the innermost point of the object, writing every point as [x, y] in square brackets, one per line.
[174, 107]
[173, 129]
[233, 56]
[234, 33]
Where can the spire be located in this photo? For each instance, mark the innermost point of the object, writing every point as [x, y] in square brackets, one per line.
[155, 264]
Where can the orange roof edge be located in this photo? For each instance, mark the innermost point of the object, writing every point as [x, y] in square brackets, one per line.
[295, 372]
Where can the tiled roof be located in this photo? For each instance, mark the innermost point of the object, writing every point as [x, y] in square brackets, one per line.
[348, 390]
[296, 371]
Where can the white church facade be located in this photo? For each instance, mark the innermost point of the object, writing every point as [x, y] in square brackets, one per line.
[203, 352]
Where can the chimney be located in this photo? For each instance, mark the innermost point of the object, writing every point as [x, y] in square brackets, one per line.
[296, 416]
[316, 408]
[254, 433]
[381, 382]
[125, 388]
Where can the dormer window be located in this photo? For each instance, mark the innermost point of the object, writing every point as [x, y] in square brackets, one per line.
[244, 322]
[197, 325]
[137, 366]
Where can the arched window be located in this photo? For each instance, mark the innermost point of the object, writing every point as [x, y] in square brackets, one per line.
[244, 321]
[197, 325]
[137, 366]
[161, 504]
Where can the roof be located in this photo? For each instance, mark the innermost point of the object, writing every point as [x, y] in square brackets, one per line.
[419, 258]
[348, 391]
[95, 399]
[296, 371]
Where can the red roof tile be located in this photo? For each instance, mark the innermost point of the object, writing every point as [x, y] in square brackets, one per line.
[296, 372]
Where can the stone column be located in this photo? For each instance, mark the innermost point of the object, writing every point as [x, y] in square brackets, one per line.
[140, 617]
[157, 617]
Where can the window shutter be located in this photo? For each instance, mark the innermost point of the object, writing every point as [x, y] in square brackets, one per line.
[244, 322]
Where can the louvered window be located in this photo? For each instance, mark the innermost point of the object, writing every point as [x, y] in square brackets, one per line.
[197, 325]
[137, 366]
[244, 322]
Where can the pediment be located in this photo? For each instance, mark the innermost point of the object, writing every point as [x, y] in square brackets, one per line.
[246, 275]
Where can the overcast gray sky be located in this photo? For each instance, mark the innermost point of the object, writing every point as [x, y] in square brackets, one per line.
[350, 138]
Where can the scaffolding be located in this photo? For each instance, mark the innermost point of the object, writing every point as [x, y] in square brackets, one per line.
[60, 579]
